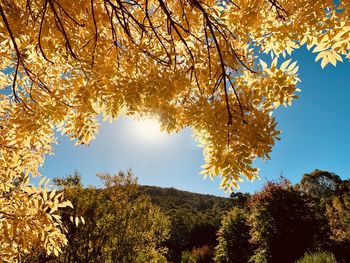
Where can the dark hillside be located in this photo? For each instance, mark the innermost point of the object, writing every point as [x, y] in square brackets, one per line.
[195, 218]
[169, 198]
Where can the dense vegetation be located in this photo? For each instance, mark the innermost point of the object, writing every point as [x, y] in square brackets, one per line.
[282, 222]
[119, 224]
[124, 222]
[195, 219]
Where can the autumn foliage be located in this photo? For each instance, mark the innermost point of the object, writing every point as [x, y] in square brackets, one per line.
[191, 63]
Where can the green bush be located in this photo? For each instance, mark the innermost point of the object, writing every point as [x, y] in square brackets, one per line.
[318, 257]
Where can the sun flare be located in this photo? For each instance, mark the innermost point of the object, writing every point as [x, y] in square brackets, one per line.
[148, 129]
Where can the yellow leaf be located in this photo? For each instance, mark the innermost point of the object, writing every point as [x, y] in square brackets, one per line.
[285, 64]
[324, 62]
[42, 180]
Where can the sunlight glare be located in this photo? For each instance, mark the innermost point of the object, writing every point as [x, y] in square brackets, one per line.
[148, 129]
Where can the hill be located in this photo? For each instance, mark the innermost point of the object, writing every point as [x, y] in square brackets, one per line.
[195, 218]
[170, 198]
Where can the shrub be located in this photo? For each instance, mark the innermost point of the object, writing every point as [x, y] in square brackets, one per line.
[317, 257]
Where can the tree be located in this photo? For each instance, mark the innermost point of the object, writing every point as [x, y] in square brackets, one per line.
[203, 233]
[239, 199]
[182, 221]
[330, 201]
[119, 223]
[192, 63]
[282, 224]
[319, 184]
[338, 215]
[233, 238]
[320, 187]
[70, 181]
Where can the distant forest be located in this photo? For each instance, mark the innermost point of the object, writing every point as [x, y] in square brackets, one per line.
[127, 222]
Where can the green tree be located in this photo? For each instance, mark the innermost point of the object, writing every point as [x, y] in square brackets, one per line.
[330, 200]
[283, 225]
[322, 187]
[320, 184]
[121, 225]
[72, 180]
[338, 215]
[233, 238]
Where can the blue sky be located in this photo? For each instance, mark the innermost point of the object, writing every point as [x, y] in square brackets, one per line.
[315, 134]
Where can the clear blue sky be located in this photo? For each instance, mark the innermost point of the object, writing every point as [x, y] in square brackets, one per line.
[316, 134]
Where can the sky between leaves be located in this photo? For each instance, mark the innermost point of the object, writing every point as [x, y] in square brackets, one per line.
[316, 134]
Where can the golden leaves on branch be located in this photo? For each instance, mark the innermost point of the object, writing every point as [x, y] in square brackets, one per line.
[29, 219]
[193, 63]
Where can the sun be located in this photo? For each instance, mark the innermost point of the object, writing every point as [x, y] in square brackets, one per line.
[148, 129]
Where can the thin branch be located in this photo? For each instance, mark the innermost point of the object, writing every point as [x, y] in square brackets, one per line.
[18, 54]
[96, 33]
[62, 29]
[40, 31]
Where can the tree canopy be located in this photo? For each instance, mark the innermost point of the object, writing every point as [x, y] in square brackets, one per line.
[321, 184]
[233, 238]
[191, 63]
[120, 224]
[283, 225]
